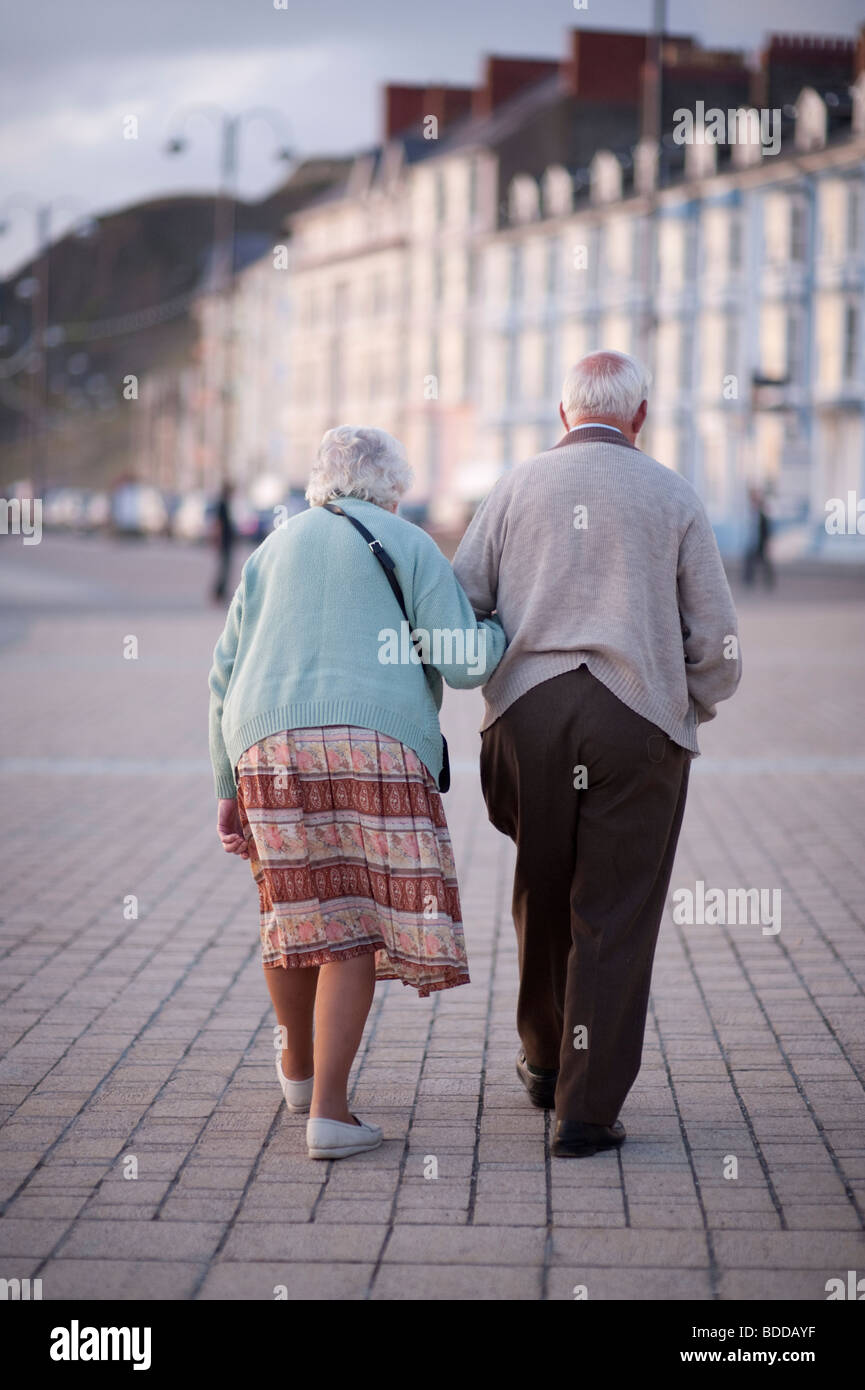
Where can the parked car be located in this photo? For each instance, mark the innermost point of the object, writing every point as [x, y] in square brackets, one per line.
[63, 509]
[137, 509]
[96, 512]
[193, 519]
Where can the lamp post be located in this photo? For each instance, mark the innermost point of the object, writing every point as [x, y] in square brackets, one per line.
[652, 120]
[36, 289]
[653, 107]
[222, 273]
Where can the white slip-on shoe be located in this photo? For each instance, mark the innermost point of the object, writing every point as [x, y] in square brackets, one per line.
[298, 1094]
[335, 1139]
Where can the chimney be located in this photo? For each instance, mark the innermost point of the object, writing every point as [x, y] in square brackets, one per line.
[448, 103]
[605, 65]
[403, 108]
[790, 62]
[717, 77]
[406, 106]
[505, 77]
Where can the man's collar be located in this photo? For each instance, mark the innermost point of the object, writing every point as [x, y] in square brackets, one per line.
[594, 425]
[590, 434]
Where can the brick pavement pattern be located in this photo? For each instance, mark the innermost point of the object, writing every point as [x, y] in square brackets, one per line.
[145, 1152]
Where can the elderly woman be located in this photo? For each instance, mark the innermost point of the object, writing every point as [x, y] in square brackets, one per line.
[327, 753]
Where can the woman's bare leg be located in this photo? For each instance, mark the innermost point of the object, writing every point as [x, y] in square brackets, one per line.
[344, 996]
[292, 992]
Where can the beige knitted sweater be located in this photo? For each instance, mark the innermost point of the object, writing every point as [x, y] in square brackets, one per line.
[592, 553]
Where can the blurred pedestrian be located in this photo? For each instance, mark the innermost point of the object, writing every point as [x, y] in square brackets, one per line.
[605, 573]
[757, 555]
[225, 535]
[328, 762]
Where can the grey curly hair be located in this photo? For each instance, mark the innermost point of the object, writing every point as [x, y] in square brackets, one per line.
[359, 461]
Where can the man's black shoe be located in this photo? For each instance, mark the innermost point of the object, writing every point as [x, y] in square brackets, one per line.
[541, 1085]
[575, 1140]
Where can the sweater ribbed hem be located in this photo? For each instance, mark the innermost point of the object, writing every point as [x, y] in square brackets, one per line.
[532, 671]
[315, 714]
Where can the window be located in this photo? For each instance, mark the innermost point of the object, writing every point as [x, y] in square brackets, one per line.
[690, 253]
[795, 346]
[734, 250]
[851, 342]
[731, 346]
[403, 372]
[434, 356]
[549, 367]
[593, 256]
[468, 363]
[507, 448]
[686, 354]
[798, 231]
[471, 275]
[552, 267]
[516, 277]
[473, 190]
[854, 218]
[512, 379]
[440, 201]
[437, 277]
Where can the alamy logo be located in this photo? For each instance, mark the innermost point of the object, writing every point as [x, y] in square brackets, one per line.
[743, 126]
[77, 1343]
[442, 647]
[845, 517]
[20, 1290]
[21, 517]
[702, 906]
[854, 1289]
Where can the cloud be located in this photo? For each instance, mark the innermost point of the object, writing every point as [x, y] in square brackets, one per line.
[70, 136]
[73, 70]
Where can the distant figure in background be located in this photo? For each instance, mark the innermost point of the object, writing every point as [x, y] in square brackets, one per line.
[757, 553]
[225, 536]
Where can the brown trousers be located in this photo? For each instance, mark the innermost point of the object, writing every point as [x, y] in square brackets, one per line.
[593, 868]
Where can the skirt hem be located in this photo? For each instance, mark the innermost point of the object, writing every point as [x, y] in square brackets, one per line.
[451, 975]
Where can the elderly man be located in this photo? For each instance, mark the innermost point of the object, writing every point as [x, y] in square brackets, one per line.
[603, 568]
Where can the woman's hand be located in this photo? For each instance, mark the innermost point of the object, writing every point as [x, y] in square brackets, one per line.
[229, 829]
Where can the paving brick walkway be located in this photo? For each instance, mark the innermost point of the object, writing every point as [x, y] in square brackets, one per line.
[144, 1043]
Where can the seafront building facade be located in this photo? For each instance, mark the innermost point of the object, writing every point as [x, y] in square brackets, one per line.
[443, 287]
[743, 288]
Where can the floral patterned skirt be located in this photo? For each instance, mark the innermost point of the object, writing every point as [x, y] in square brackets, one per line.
[350, 849]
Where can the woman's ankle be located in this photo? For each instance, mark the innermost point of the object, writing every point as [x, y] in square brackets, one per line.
[323, 1111]
[294, 1069]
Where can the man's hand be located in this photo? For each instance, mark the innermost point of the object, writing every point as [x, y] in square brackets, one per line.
[229, 830]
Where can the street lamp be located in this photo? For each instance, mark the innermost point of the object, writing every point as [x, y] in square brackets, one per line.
[222, 275]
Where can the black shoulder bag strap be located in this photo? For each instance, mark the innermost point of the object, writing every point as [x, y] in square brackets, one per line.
[389, 568]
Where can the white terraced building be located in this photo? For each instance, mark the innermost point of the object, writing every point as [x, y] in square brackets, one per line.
[742, 287]
[441, 294]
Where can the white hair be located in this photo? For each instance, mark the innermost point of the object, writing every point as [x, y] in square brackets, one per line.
[605, 383]
[356, 461]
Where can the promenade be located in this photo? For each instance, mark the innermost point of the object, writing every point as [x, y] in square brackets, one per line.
[137, 1036]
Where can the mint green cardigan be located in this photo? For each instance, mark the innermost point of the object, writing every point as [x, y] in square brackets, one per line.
[314, 636]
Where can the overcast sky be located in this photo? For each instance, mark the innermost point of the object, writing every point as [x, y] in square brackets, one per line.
[71, 71]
